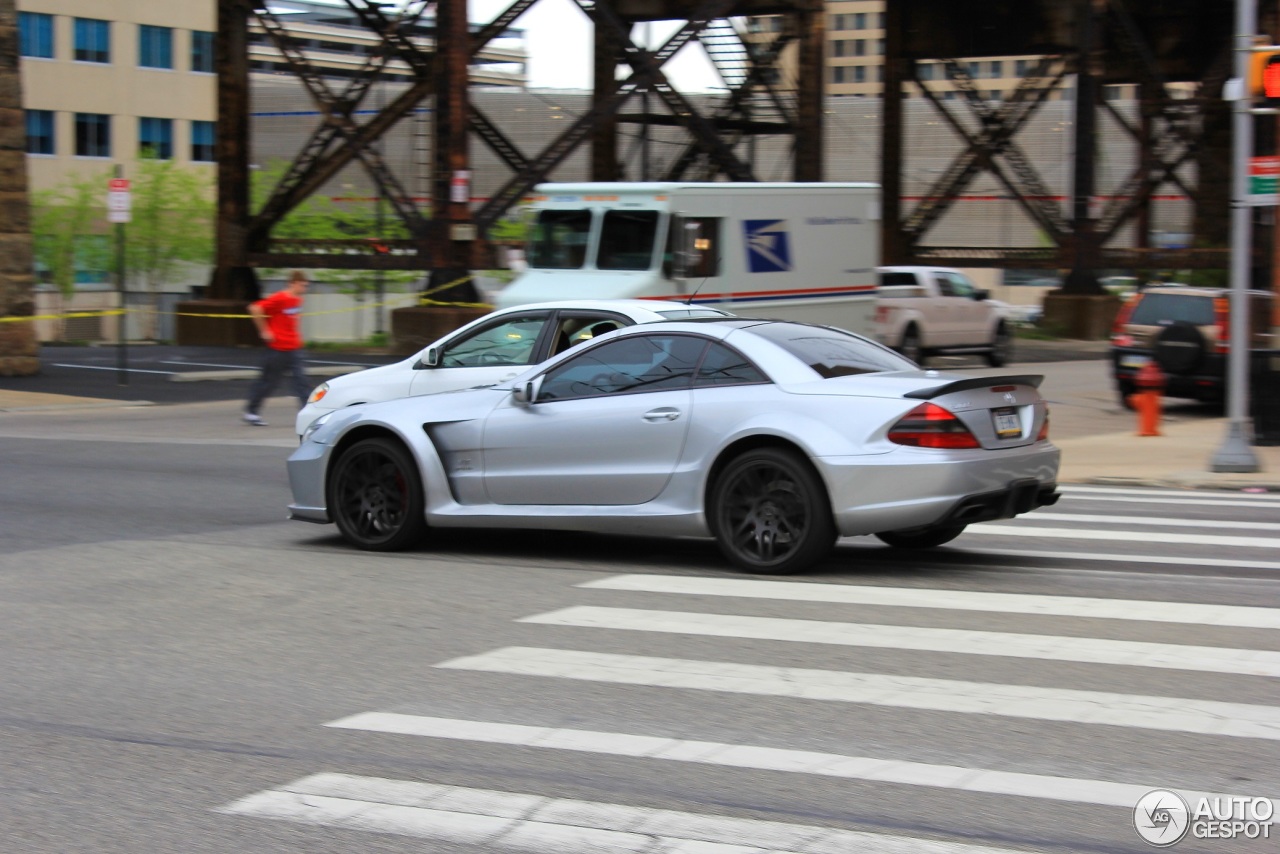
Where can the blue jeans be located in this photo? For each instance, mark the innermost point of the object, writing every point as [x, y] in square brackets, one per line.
[274, 366]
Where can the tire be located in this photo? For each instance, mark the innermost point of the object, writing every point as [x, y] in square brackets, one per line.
[1123, 390]
[921, 538]
[770, 513]
[1179, 348]
[375, 496]
[910, 346]
[1001, 351]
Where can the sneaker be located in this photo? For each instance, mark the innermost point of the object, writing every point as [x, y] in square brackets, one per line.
[254, 420]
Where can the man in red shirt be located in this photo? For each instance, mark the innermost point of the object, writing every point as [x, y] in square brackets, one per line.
[277, 320]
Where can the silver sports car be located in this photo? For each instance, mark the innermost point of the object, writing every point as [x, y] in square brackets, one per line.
[774, 438]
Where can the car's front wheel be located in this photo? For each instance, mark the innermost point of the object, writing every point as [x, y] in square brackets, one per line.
[770, 514]
[375, 496]
[921, 538]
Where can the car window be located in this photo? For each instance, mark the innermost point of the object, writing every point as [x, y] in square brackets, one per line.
[724, 366]
[833, 352]
[955, 285]
[1163, 309]
[629, 364]
[508, 342]
[575, 329]
[627, 240]
[559, 240]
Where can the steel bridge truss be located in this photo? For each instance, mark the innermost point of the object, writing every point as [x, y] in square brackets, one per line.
[441, 236]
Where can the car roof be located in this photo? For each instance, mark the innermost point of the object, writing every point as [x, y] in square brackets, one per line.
[650, 305]
[1194, 291]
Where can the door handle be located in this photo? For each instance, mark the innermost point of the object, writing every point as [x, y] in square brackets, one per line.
[665, 413]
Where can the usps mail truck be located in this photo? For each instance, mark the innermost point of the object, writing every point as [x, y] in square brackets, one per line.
[796, 251]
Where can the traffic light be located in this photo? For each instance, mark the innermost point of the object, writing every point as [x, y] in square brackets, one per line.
[1264, 77]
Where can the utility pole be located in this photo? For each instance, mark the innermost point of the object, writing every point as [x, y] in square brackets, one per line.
[1236, 453]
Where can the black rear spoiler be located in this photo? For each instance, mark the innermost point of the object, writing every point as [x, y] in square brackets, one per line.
[969, 383]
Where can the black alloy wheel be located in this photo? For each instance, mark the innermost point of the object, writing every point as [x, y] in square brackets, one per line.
[770, 513]
[375, 496]
[921, 538]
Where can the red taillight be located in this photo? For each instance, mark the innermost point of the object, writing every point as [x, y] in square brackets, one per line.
[1222, 319]
[931, 426]
[1044, 428]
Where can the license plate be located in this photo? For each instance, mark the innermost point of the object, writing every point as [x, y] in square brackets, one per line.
[1008, 424]
[1134, 361]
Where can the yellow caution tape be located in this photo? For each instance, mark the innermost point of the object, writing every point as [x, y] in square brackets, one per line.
[110, 312]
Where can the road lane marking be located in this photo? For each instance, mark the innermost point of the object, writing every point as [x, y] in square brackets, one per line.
[1115, 557]
[1207, 495]
[1123, 536]
[956, 777]
[1240, 616]
[1247, 662]
[112, 368]
[1168, 714]
[1196, 502]
[527, 822]
[1150, 520]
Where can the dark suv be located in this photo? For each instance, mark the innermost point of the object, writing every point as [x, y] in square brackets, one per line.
[1186, 331]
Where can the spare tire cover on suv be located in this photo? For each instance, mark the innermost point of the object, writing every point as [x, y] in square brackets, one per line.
[1179, 348]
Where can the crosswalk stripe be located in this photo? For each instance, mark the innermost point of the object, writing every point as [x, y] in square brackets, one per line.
[1005, 530]
[526, 822]
[1248, 662]
[1092, 519]
[842, 766]
[1240, 616]
[1252, 499]
[1170, 714]
[1116, 557]
[1198, 501]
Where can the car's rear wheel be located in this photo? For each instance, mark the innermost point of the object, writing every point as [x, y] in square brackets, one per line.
[921, 538]
[910, 346]
[770, 514]
[375, 496]
[1001, 348]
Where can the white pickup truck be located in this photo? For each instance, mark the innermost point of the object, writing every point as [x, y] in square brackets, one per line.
[924, 311]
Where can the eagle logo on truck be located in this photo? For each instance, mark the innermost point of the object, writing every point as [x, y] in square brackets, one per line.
[768, 247]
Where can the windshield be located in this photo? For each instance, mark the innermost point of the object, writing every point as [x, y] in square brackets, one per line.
[559, 240]
[626, 240]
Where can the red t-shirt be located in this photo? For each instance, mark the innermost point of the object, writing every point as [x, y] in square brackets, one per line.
[282, 309]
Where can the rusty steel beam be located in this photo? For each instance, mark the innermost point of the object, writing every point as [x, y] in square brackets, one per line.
[233, 278]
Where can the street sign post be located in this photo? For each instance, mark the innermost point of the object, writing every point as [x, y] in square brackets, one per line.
[120, 211]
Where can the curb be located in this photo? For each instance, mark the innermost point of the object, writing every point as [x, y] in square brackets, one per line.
[1191, 482]
[57, 407]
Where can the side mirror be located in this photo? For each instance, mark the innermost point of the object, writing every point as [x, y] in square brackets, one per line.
[981, 293]
[431, 358]
[527, 392]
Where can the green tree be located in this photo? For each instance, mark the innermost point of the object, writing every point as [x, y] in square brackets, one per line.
[67, 233]
[172, 225]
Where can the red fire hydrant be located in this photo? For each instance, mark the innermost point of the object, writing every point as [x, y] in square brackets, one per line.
[1147, 399]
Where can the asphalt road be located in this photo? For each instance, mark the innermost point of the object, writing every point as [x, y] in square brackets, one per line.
[174, 656]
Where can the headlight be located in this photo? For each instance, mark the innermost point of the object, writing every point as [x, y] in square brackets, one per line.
[318, 394]
[316, 425]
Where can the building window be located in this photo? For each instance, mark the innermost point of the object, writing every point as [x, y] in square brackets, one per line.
[975, 70]
[155, 46]
[859, 74]
[93, 135]
[36, 34]
[997, 69]
[40, 132]
[155, 138]
[201, 51]
[924, 70]
[859, 47]
[202, 142]
[93, 40]
[837, 47]
[1020, 68]
[883, 18]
